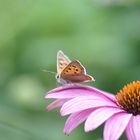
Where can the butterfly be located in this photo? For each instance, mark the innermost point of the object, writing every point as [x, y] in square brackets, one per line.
[70, 71]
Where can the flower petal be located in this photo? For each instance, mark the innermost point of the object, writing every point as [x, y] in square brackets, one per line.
[75, 119]
[133, 128]
[100, 115]
[116, 125]
[56, 103]
[76, 90]
[82, 103]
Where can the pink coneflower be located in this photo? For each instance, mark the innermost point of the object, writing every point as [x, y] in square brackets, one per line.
[83, 103]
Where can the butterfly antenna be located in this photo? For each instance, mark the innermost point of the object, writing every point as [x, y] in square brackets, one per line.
[52, 72]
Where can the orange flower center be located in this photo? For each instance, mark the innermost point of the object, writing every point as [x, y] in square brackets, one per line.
[129, 98]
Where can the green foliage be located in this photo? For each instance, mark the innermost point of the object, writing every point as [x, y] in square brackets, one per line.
[103, 35]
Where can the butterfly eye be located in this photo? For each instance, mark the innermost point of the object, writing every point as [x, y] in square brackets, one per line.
[57, 76]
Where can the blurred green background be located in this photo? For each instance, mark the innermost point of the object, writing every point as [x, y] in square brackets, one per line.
[103, 34]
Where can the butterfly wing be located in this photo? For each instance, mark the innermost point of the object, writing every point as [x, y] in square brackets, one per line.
[75, 72]
[62, 61]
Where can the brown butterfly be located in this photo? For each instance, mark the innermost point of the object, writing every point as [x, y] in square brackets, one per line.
[70, 71]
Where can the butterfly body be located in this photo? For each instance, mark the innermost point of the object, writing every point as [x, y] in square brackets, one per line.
[70, 71]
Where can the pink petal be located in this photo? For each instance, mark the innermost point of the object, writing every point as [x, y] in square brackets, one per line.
[116, 125]
[133, 128]
[81, 103]
[75, 119]
[100, 115]
[56, 103]
[76, 90]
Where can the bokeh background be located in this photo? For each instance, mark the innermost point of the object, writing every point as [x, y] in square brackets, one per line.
[103, 34]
